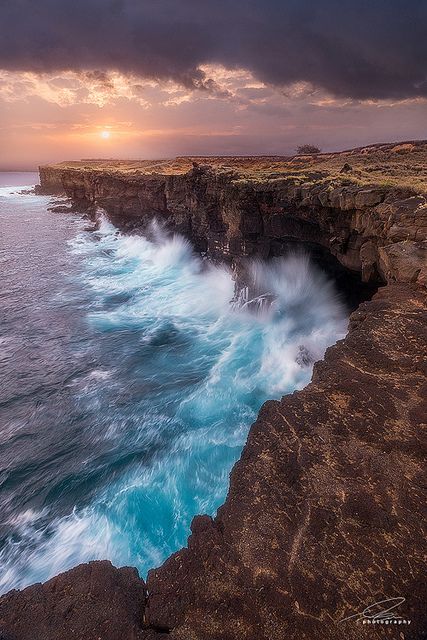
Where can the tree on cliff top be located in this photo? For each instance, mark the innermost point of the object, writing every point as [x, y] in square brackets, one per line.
[307, 149]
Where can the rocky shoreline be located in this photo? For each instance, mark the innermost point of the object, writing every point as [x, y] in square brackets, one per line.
[375, 230]
[325, 509]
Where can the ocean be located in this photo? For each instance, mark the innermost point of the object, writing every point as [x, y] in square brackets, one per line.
[129, 381]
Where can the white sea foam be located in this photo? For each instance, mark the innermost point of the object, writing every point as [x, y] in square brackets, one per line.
[195, 370]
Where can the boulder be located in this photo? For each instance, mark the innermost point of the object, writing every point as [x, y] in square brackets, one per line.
[90, 602]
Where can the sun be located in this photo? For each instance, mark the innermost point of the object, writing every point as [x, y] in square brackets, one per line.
[105, 134]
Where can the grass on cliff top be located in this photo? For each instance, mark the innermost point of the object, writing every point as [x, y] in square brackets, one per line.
[387, 165]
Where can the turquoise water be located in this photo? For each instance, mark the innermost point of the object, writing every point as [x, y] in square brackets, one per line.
[129, 383]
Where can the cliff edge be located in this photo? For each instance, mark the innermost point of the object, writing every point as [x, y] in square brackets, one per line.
[325, 514]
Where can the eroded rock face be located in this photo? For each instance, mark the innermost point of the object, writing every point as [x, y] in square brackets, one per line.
[325, 514]
[326, 510]
[91, 601]
[233, 218]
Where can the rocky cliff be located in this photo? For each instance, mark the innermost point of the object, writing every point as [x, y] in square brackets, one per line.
[324, 514]
[375, 230]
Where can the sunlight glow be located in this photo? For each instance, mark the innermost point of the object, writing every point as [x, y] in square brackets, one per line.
[105, 134]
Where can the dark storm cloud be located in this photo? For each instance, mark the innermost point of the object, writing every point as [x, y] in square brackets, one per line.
[360, 49]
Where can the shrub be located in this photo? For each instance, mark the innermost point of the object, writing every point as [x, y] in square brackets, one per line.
[307, 149]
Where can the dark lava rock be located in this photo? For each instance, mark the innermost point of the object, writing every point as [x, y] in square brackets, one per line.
[93, 601]
[326, 509]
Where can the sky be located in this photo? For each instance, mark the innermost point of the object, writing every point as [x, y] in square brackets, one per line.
[160, 78]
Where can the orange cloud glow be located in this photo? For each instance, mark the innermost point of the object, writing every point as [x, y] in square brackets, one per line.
[69, 115]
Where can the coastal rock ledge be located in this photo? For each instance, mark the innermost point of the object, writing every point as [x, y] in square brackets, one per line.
[325, 513]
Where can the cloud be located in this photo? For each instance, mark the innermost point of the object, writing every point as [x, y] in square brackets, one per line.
[71, 88]
[362, 49]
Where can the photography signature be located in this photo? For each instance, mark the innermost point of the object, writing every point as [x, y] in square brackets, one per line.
[381, 611]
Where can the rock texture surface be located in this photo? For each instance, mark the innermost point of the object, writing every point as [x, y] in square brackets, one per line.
[376, 230]
[326, 508]
[93, 600]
